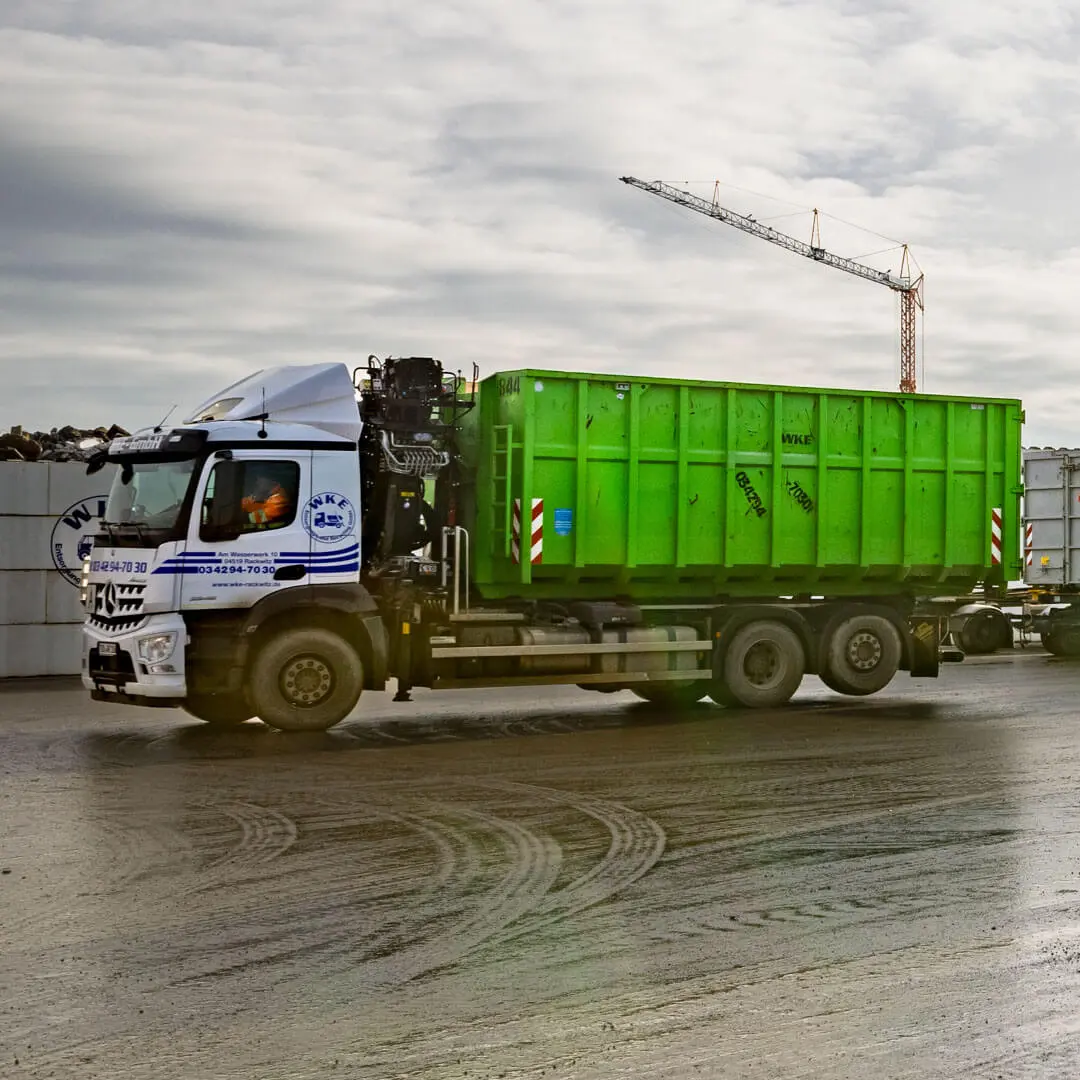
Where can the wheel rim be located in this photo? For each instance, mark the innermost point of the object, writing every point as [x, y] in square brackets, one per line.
[307, 681]
[762, 665]
[864, 651]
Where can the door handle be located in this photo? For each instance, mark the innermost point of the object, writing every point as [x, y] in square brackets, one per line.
[293, 572]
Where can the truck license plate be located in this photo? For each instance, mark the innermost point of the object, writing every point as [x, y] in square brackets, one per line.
[107, 648]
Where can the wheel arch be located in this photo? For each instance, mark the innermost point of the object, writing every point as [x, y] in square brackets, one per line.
[347, 610]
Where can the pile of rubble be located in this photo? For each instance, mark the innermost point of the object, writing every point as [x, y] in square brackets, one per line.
[60, 444]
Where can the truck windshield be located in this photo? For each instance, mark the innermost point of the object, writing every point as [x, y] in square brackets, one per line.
[149, 495]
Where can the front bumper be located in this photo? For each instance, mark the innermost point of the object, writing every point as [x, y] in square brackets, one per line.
[125, 678]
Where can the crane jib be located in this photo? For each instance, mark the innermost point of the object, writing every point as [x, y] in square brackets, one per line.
[910, 288]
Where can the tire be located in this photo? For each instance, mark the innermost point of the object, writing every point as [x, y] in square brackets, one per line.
[672, 696]
[862, 654]
[218, 710]
[307, 679]
[1064, 642]
[763, 666]
[984, 631]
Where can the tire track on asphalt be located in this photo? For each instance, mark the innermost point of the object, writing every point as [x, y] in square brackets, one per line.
[822, 825]
[420, 933]
[636, 844]
[289, 929]
[264, 835]
[534, 863]
[122, 856]
[424, 933]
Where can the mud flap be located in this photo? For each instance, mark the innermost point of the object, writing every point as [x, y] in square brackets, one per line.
[925, 646]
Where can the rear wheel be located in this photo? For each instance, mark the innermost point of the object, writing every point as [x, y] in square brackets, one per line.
[673, 695]
[1062, 642]
[862, 654]
[218, 710]
[984, 631]
[307, 679]
[763, 666]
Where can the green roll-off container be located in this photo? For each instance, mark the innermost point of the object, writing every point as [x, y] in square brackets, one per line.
[600, 485]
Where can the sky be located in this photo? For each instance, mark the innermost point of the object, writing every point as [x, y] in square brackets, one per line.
[189, 193]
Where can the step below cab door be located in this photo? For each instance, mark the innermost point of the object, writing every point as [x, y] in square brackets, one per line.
[247, 536]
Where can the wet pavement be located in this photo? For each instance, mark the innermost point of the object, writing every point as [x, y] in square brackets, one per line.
[549, 883]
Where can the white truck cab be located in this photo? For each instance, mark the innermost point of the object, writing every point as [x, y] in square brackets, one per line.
[238, 525]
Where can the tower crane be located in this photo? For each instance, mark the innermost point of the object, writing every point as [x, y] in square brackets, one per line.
[910, 288]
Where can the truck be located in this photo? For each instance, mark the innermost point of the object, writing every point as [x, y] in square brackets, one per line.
[680, 539]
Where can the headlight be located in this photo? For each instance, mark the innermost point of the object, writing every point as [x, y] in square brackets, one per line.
[84, 583]
[156, 647]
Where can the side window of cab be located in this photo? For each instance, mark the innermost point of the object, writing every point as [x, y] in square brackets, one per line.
[248, 496]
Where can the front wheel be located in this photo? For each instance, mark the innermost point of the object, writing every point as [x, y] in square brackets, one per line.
[218, 710]
[862, 654]
[763, 666]
[307, 679]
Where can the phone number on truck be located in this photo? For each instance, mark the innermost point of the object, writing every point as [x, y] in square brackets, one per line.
[235, 568]
[114, 566]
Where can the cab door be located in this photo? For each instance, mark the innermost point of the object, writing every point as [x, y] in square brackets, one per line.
[247, 537]
[331, 517]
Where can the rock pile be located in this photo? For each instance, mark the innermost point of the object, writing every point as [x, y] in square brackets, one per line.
[60, 444]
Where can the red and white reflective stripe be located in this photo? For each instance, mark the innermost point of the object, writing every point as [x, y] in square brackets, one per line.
[995, 536]
[1029, 543]
[536, 532]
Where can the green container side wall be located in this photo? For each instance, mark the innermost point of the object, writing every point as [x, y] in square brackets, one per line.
[674, 490]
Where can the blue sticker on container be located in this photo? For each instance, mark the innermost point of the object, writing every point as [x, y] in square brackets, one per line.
[564, 522]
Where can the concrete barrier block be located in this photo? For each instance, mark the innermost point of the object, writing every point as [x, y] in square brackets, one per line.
[62, 604]
[63, 649]
[69, 485]
[23, 652]
[28, 651]
[24, 543]
[23, 596]
[24, 488]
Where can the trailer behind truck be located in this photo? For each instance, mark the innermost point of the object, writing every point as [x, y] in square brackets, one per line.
[1052, 545]
[679, 539]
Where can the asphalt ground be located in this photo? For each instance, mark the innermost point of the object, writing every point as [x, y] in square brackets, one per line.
[549, 883]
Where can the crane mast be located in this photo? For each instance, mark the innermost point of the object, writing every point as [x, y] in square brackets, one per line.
[910, 288]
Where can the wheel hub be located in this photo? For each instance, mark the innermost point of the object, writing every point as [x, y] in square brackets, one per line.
[864, 651]
[306, 681]
[761, 663]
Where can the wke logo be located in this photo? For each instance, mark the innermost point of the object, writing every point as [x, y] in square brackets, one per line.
[73, 535]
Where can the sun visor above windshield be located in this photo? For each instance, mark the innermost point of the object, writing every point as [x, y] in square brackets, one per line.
[175, 441]
[320, 395]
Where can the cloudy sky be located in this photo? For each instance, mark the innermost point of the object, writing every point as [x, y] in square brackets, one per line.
[191, 192]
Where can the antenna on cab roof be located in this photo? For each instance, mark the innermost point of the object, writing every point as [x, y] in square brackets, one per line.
[157, 430]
